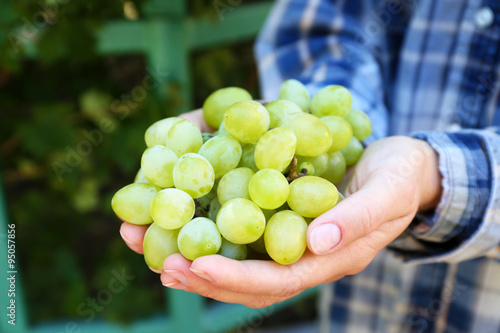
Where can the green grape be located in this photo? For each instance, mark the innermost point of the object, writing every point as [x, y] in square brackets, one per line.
[247, 121]
[194, 174]
[258, 245]
[205, 200]
[248, 157]
[361, 124]
[268, 188]
[336, 168]
[131, 203]
[171, 208]
[319, 163]
[218, 102]
[311, 196]
[268, 213]
[233, 251]
[158, 244]
[241, 221]
[222, 129]
[199, 238]
[184, 137]
[157, 164]
[331, 100]
[275, 149]
[223, 152]
[213, 191]
[313, 136]
[352, 153]
[295, 91]
[341, 132]
[306, 168]
[156, 134]
[279, 109]
[234, 184]
[214, 209]
[285, 237]
[140, 178]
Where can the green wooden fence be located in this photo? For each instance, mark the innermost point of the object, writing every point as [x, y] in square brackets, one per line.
[166, 36]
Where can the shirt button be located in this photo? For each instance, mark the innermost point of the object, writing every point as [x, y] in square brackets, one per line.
[484, 17]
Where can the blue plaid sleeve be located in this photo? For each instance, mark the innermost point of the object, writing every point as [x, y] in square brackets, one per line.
[466, 223]
[342, 42]
[332, 42]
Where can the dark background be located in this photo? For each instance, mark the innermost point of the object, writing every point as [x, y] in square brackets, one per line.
[51, 94]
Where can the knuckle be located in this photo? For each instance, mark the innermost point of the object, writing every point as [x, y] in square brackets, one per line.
[209, 293]
[370, 215]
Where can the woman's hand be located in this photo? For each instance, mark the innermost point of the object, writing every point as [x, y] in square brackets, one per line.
[196, 117]
[395, 178]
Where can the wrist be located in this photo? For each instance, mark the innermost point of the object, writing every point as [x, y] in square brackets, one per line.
[431, 178]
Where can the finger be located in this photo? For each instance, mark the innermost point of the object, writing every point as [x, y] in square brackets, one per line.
[177, 275]
[356, 256]
[358, 215]
[267, 278]
[133, 236]
[261, 277]
[196, 117]
[343, 186]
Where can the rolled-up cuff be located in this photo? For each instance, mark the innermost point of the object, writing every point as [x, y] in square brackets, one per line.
[466, 222]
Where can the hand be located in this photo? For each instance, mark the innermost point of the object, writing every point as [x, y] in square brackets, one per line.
[395, 177]
[196, 117]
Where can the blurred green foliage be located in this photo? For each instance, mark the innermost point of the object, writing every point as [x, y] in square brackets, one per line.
[64, 150]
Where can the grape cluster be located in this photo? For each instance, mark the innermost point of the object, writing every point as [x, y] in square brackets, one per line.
[258, 180]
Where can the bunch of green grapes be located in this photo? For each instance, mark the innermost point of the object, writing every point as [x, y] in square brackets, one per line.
[249, 189]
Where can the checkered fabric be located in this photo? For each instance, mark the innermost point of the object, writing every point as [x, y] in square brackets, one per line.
[428, 69]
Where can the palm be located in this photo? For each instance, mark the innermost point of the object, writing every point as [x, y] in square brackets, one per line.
[382, 200]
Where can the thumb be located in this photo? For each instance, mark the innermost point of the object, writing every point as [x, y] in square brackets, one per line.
[355, 217]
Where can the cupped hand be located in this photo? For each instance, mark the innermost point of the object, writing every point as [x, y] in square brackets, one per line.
[196, 117]
[395, 178]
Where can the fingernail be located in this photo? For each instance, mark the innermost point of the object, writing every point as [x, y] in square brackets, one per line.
[178, 275]
[325, 237]
[175, 285]
[203, 275]
[155, 270]
[127, 241]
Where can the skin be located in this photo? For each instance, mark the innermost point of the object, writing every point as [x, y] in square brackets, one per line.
[395, 178]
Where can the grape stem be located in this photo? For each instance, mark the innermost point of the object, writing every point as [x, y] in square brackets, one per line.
[199, 211]
[207, 136]
[293, 174]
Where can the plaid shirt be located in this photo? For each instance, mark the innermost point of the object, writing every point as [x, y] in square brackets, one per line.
[427, 69]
